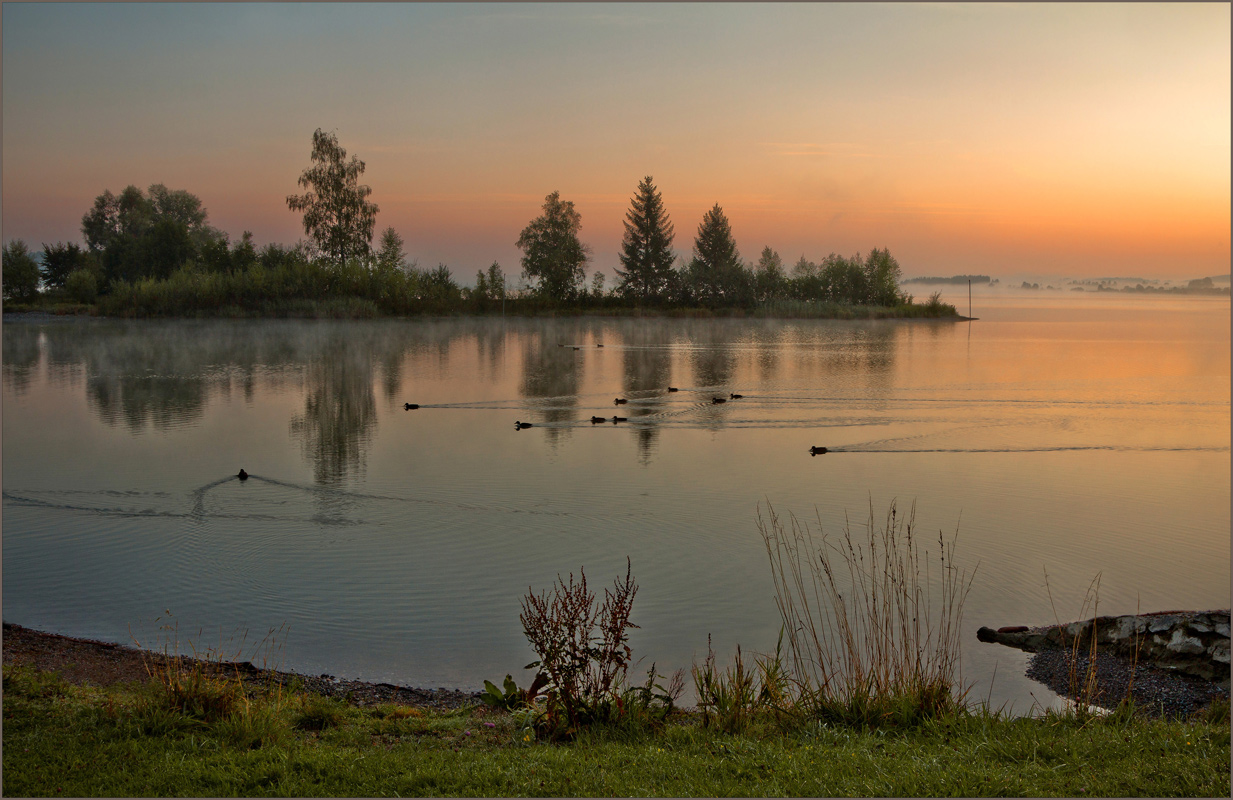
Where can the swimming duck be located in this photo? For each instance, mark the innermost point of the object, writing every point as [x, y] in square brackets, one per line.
[673, 389]
[598, 419]
[817, 451]
[409, 406]
[615, 420]
[736, 396]
[620, 401]
[718, 400]
[521, 425]
[243, 475]
[599, 345]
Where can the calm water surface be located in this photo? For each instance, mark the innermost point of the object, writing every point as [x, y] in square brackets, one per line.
[1070, 435]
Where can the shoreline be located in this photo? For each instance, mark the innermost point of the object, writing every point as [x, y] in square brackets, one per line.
[1157, 693]
[89, 661]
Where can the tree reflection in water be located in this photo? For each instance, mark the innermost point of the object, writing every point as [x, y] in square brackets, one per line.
[552, 373]
[647, 364]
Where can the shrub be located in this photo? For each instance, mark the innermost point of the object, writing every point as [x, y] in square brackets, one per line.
[82, 286]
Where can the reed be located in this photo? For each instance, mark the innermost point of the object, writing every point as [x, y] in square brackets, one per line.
[872, 622]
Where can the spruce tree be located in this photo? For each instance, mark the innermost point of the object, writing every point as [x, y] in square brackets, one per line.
[646, 250]
[717, 274]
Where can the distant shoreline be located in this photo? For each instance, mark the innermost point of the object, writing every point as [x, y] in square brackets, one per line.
[856, 313]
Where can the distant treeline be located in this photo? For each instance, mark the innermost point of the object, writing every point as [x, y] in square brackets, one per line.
[951, 279]
[154, 253]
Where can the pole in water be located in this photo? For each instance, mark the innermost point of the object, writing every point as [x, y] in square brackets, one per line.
[969, 298]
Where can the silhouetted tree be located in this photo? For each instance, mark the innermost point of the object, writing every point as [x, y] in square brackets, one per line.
[337, 214]
[135, 236]
[20, 272]
[391, 255]
[646, 250]
[882, 274]
[716, 274]
[60, 260]
[496, 281]
[552, 252]
[769, 280]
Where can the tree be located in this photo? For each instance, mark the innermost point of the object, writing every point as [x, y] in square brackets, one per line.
[646, 250]
[438, 284]
[496, 281]
[552, 253]
[769, 280]
[882, 275]
[134, 236]
[391, 255]
[20, 272]
[112, 218]
[716, 273]
[843, 279]
[337, 215]
[59, 261]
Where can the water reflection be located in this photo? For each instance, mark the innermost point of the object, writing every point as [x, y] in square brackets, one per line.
[552, 368]
[165, 375]
[340, 410]
[647, 372]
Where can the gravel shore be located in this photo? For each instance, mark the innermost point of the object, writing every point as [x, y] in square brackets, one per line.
[85, 661]
[1156, 692]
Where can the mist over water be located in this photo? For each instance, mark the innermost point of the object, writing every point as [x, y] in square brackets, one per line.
[1071, 436]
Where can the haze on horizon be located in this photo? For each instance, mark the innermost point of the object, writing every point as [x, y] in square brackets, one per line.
[1003, 139]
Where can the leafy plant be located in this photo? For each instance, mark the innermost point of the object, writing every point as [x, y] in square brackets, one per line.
[583, 650]
[511, 697]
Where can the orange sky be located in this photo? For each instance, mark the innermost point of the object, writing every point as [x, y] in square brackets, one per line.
[1067, 139]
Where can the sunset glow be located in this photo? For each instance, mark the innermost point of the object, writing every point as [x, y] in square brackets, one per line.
[1080, 139]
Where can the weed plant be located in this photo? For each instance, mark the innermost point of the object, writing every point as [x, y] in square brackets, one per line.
[584, 657]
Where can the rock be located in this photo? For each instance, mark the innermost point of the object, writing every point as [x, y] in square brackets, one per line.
[1183, 644]
[1194, 643]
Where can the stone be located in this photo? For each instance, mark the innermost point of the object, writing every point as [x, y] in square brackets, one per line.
[1194, 643]
[1181, 643]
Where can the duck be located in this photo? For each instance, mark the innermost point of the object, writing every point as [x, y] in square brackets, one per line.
[595, 420]
[718, 400]
[615, 420]
[599, 345]
[243, 475]
[673, 389]
[576, 347]
[620, 401]
[521, 425]
[409, 406]
[736, 396]
[817, 451]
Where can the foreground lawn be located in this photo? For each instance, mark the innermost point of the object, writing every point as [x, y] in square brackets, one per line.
[62, 740]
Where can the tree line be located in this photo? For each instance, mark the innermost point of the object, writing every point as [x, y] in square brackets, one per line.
[155, 252]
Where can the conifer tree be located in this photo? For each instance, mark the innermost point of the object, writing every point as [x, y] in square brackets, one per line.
[717, 275]
[646, 250]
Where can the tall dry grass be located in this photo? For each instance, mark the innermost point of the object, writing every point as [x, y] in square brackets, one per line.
[872, 621]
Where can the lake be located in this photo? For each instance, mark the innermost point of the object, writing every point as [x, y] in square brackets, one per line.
[1065, 437]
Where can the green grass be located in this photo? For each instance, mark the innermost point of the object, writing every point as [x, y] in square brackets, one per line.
[62, 740]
